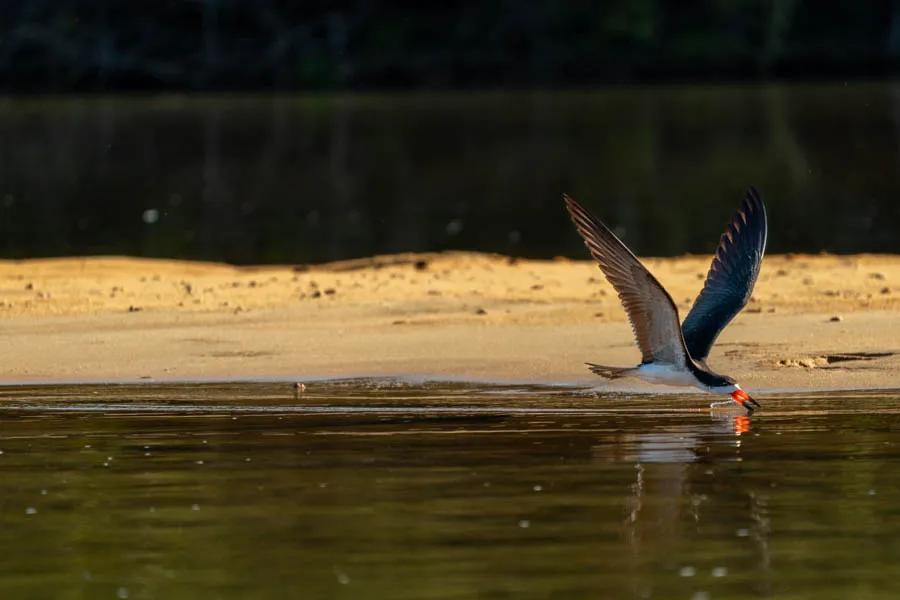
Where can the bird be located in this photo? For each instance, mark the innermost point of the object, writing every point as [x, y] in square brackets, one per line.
[675, 352]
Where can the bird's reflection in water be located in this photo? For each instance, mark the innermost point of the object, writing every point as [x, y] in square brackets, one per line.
[685, 482]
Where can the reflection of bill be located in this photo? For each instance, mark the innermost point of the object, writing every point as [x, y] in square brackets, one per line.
[741, 424]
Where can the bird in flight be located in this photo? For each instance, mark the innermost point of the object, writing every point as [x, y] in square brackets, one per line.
[672, 352]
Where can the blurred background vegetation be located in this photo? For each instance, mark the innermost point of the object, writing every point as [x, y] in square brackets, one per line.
[66, 45]
[264, 131]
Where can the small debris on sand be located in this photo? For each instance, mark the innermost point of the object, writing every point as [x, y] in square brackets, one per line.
[817, 362]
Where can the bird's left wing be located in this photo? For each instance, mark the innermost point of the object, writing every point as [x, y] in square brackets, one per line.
[653, 314]
[731, 277]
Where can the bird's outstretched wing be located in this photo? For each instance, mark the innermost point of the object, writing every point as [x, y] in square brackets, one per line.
[653, 314]
[731, 276]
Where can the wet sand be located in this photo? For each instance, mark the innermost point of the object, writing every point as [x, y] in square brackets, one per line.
[815, 322]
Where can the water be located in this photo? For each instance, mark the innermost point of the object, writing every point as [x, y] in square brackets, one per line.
[386, 490]
[284, 178]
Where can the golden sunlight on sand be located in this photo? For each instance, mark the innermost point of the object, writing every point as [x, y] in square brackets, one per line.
[814, 321]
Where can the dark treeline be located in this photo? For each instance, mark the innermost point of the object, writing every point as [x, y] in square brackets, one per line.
[86, 45]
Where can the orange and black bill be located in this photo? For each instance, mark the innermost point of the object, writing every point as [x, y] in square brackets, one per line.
[744, 399]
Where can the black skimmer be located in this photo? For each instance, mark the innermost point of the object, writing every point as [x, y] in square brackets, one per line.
[672, 352]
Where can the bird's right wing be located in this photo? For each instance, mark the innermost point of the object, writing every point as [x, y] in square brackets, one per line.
[653, 314]
[731, 277]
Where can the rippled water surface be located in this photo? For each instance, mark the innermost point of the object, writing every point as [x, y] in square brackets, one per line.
[386, 490]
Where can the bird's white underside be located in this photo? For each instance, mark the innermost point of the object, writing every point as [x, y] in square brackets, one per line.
[664, 374]
[667, 374]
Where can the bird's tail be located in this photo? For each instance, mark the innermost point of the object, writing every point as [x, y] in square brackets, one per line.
[609, 372]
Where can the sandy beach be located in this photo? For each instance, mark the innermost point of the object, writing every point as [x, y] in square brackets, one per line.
[814, 322]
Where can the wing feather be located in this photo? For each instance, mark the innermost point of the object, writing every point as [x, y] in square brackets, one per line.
[653, 314]
[731, 276]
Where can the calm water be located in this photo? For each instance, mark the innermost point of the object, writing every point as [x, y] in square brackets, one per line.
[393, 491]
[318, 177]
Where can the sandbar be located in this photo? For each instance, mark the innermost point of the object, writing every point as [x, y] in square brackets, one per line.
[815, 322]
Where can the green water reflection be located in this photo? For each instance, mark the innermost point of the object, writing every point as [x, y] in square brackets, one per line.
[395, 491]
[299, 178]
